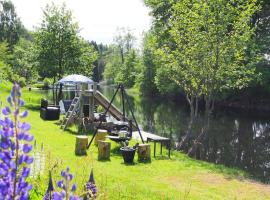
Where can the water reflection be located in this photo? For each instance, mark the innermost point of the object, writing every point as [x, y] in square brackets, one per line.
[232, 139]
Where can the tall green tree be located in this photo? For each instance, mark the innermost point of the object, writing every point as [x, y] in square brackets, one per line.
[24, 62]
[205, 48]
[11, 27]
[60, 49]
[122, 60]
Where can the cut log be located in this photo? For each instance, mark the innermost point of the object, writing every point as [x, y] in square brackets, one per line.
[81, 145]
[104, 149]
[101, 135]
[144, 152]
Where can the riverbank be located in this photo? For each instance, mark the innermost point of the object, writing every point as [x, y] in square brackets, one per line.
[178, 178]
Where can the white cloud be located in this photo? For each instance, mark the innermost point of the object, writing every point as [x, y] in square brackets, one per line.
[98, 19]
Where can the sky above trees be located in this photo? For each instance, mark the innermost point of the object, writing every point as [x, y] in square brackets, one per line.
[98, 19]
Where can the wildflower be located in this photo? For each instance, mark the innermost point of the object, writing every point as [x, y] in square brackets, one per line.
[91, 187]
[49, 193]
[67, 191]
[14, 149]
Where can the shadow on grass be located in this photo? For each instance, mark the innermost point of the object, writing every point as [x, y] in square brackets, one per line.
[145, 162]
[104, 160]
[128, 164]
[161, 157]
[33, 107]
[116, 151]
[228, 172]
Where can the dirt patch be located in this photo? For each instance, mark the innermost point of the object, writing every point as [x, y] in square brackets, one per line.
[210, 178]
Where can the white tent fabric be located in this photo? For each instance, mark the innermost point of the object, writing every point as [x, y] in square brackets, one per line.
[75, 78]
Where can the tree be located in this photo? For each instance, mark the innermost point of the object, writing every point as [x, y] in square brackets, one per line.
[128, 71]
[122, 59]
[5, 69]
[10, 25]
[24, 62]
[113, 63]
[60, 49]
[205, 49]
[125, 41]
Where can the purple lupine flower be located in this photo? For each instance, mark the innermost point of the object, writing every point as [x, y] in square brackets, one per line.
[49, 193]
[91, 187]
[67, 191]
[14, 150]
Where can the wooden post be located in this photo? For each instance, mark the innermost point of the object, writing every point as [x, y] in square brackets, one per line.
[101, 135]
[104, 149]
[144, 152]
[81, 145]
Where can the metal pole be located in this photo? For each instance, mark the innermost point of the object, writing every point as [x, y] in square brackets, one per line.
[133, 116]
[123, 102]
[107, 109]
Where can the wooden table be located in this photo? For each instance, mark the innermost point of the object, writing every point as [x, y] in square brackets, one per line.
[160, 140]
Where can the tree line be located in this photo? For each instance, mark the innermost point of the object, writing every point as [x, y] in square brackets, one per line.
[52, 50]
[204, 50]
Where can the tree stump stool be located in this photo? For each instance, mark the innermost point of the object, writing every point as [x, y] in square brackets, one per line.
[81, 145]
[101, 135]
[104, 149]
[144, 152]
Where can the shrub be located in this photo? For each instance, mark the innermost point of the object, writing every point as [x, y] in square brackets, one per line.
[22, 82]
[46, 83]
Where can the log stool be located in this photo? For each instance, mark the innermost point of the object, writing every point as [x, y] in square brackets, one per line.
[104, 149]
[144, 152]
[101, 135]
[81, 145]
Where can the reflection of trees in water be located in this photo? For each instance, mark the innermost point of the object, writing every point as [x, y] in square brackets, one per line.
[240, 143]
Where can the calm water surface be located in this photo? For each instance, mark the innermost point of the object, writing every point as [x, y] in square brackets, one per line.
[233, 139]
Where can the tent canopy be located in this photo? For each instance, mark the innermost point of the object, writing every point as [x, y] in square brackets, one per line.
[75, 78]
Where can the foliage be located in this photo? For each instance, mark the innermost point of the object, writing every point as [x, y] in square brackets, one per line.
[24, 62]
[5, 69]
[60, 49]
[127, 72]
[15, 149]
[113, 63]
[22, 82]
[10, 25]
[99, 64]
[204, 46]
[47, 82]
[123, 62]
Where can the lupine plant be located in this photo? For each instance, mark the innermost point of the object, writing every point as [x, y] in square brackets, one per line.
[14, 149]
[91, 187]
[67, 188]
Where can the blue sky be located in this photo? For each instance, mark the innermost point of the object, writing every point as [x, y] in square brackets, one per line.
[98, 19]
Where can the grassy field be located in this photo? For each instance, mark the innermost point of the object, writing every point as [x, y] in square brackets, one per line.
[178, 178]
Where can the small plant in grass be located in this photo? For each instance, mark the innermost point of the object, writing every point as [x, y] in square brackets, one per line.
[67, 188]
[90, 187]
[14, 149]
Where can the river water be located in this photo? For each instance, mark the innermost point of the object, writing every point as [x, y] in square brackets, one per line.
[234, 139]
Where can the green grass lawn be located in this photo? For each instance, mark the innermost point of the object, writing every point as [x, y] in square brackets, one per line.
[178, 178]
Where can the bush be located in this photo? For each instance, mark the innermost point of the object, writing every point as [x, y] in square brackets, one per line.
[22, 82]
[46, 83]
